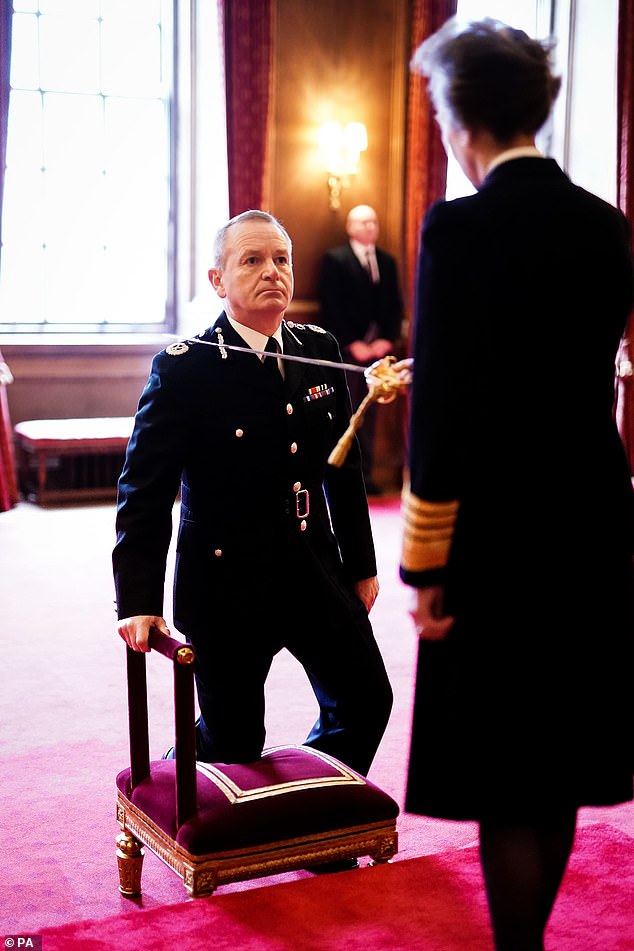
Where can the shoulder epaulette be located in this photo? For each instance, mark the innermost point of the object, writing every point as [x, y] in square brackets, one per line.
[177, 349]
[313, 327]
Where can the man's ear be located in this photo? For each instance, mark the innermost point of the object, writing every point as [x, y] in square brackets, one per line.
[215, 276]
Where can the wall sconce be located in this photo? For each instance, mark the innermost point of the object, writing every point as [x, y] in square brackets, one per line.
[341, 147]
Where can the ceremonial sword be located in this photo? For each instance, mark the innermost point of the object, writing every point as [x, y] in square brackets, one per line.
[314, 361]
[383, 380]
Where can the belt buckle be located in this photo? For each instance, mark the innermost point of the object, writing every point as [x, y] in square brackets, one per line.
[302, 503]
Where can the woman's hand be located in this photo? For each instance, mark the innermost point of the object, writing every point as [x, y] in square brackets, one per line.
[427, 613]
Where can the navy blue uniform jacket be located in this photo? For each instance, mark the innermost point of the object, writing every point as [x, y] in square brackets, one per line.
[241, 448]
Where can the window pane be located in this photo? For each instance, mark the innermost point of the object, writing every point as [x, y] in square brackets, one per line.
[74, 8]
[27, 6]
[72, 280]
[23, 207]
[136, 136]
[76, 199]
[149, 10]
[24, 139]
[72, 252]
[135, 284]
[131, 58]
[88, 188]
[73, 132]
[22, 288]
[135, 238]
[521, 14]
[69, 54]
[25, 69]
[87, 199]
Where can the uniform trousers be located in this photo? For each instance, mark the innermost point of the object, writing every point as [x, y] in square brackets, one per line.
[237, 623]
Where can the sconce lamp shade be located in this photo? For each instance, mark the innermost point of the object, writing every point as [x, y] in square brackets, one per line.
[356, 137]
[341, 147]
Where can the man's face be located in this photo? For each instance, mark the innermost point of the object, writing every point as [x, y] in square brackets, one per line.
[256, 280]
[363, 225]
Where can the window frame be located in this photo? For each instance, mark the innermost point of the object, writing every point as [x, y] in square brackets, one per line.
[193, 155]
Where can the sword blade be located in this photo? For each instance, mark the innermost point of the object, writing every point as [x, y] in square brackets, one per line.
[334, 364]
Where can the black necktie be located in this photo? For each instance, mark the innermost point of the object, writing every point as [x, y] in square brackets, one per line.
[270, 365]
[372, 267]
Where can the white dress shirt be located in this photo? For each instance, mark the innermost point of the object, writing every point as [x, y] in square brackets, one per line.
[257, 340]
[366, 254]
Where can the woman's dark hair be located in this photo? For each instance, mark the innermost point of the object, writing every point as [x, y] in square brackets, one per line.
[487, 75]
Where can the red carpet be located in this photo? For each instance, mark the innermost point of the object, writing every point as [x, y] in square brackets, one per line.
[433, 903]
[64, 738]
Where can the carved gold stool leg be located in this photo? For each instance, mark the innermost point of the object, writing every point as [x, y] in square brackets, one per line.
[130, 862]
[385, 850]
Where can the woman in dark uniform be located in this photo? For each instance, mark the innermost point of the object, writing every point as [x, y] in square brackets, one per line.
[518, 530]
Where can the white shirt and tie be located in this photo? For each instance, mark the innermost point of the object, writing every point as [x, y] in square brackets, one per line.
[366, 254]
[259, 341]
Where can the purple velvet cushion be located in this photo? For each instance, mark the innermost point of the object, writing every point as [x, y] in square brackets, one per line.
[292, 791]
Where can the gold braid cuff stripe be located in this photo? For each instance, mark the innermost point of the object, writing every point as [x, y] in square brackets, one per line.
[427, 532]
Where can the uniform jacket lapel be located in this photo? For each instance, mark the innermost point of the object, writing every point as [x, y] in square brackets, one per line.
[294, 373]
[249, 363]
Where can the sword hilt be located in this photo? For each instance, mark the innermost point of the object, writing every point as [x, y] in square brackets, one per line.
[385, 378]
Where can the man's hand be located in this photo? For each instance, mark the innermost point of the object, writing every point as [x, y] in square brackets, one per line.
[367, 591]
[136, 630]
[404, 368]
[427, 613]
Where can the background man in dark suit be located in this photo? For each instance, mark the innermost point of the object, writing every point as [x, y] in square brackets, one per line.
[263, 560]
[361, 304]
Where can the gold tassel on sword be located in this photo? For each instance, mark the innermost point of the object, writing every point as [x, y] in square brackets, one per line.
[386, 379]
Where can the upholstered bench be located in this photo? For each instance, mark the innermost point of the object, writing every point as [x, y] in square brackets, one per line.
[68, 459]
[214, 823]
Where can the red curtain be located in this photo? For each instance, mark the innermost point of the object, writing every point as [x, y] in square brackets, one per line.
[8, 482]
[625, 199]
[247, 28]
[426, 161]
[8, 486]
[425, 157]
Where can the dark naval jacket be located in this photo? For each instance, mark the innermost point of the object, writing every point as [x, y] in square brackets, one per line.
[249, 454]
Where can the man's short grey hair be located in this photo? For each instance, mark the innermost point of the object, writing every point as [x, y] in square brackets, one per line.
[220, 241]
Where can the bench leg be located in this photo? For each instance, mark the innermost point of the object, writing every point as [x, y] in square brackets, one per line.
[41, 476]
